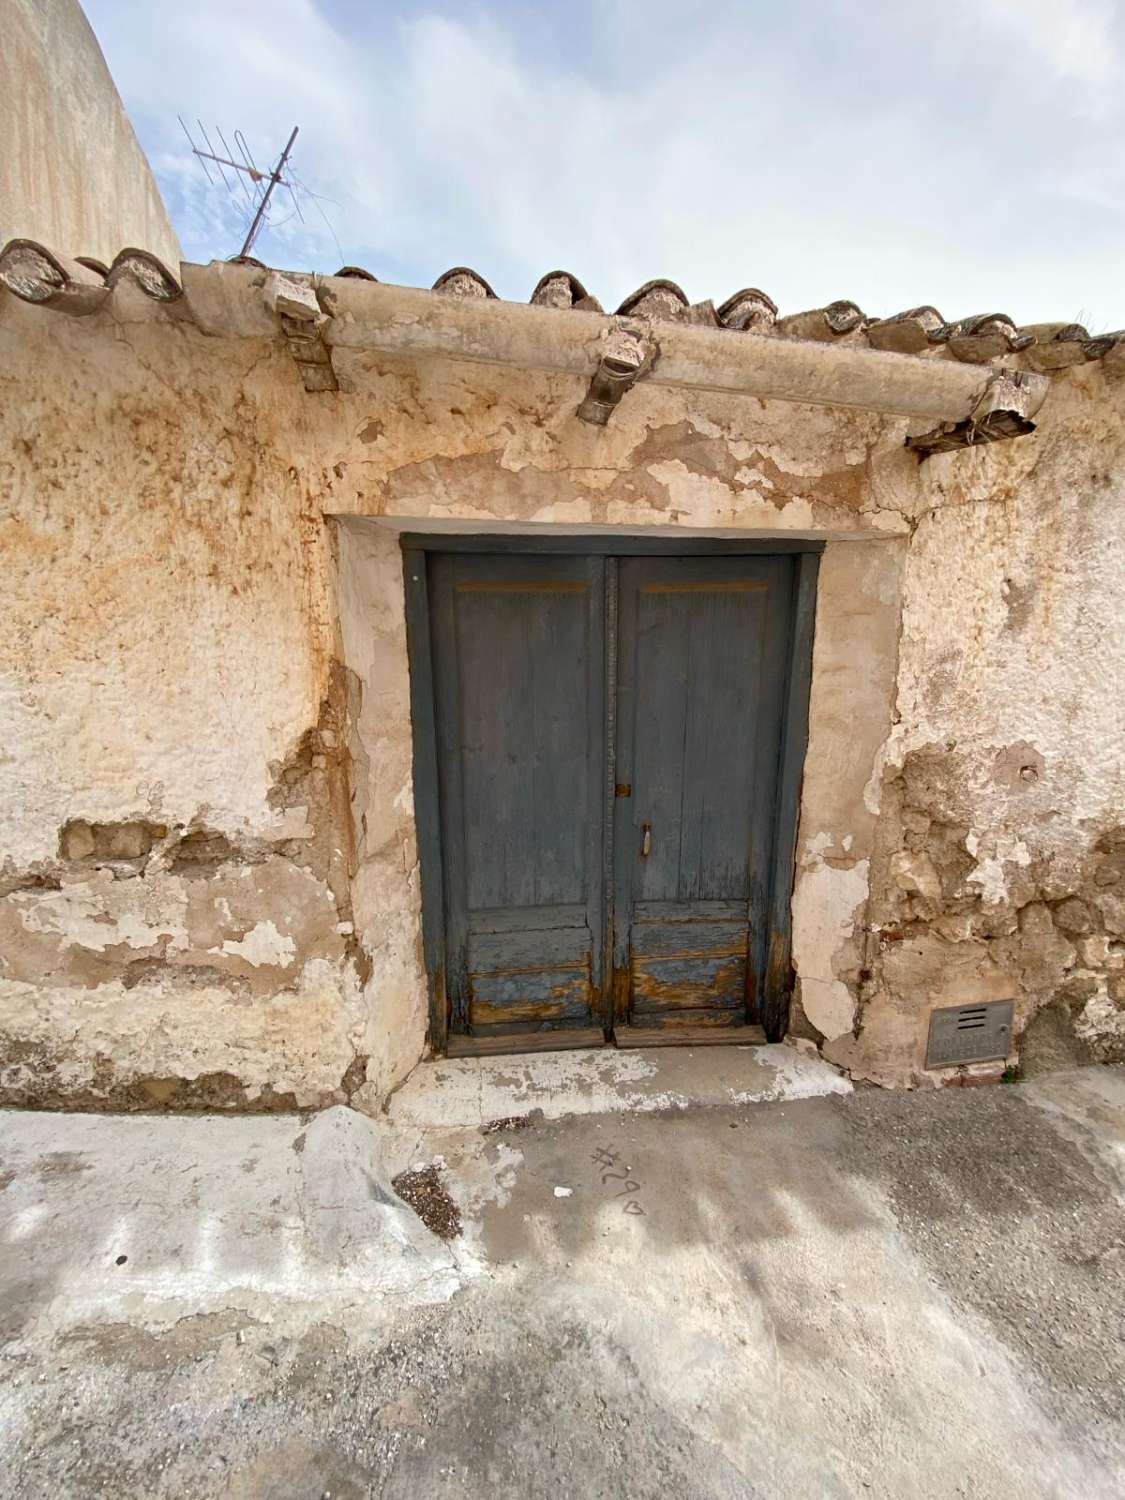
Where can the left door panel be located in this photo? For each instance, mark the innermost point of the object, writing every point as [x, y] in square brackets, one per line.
[518, 654]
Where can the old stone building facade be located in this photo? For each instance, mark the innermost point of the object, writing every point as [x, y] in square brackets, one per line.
[211, 882]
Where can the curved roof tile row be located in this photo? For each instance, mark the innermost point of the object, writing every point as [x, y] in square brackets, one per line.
[35, 274]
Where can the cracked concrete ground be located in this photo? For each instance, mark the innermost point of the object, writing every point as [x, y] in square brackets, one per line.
[788, 1291]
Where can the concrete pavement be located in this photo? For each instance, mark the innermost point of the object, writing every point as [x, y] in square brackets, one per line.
[785, 1290]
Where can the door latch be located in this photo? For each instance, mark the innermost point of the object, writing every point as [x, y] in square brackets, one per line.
[646, 840]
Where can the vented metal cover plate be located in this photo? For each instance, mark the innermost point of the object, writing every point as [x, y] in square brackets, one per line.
[969, 1033]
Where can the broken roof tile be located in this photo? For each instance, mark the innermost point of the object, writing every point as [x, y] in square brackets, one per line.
[36, 274]
[1111, 352]
[1053, 346]
[703, 314]
[1102, 345]
[948, 437]
[824, 324]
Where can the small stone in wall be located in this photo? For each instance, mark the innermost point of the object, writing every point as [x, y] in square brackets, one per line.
[76, 841]
[1111, 905]
[108, 841]
[916, 873]
[1073, 916]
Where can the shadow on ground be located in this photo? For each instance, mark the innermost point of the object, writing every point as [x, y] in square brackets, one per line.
[874, 1295]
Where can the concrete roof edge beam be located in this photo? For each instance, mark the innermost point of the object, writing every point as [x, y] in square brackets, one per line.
[228, 299]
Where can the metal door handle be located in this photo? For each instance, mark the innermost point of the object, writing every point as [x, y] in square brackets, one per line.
[646, 840]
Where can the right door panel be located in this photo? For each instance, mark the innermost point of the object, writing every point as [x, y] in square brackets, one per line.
[702, 664]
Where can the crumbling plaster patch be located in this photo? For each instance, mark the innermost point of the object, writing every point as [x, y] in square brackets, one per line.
[855, 660]
[826, 904]
[481, 443]
[386, 890]
[164, 1041]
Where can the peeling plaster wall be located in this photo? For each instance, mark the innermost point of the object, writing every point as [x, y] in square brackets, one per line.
[210, 885]
[854, 661]
[173, 780]
[999, 866]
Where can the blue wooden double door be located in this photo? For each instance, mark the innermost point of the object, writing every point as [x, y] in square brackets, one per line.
[608, 742]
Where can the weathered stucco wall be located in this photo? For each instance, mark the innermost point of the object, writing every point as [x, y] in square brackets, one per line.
[206, 825]
[72, 174]
[999, 865]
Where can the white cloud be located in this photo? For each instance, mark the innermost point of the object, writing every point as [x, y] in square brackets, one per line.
[1077, 40]
[858, 149]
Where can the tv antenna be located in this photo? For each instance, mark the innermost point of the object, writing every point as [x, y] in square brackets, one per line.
[259, 194]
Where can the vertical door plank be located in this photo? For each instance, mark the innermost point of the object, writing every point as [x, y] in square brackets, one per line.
[703, 662]
[519, 647]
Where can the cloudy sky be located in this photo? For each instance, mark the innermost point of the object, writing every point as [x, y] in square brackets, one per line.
[968, 153]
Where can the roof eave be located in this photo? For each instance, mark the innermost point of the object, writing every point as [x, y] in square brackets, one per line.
[234, 301]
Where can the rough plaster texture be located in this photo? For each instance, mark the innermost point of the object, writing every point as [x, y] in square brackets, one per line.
[999, 863]
[72, 174]
[207, 822]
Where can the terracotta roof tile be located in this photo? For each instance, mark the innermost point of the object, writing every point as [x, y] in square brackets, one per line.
[909, 332]
[559, 289]
[79, 286]
[36, 274]
[151, 275]
[463, 282]
[656, 299]
[748, 310]
[1053, 346]
[981, 338]
[824, 324]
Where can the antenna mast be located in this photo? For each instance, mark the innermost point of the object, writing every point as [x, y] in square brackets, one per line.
[271, 179]
[275, 178]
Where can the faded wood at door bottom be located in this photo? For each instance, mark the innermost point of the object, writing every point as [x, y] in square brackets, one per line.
[532, 1041]
[690, 1036]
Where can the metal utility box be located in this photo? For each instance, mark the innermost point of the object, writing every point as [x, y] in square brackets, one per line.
[969, 1033]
